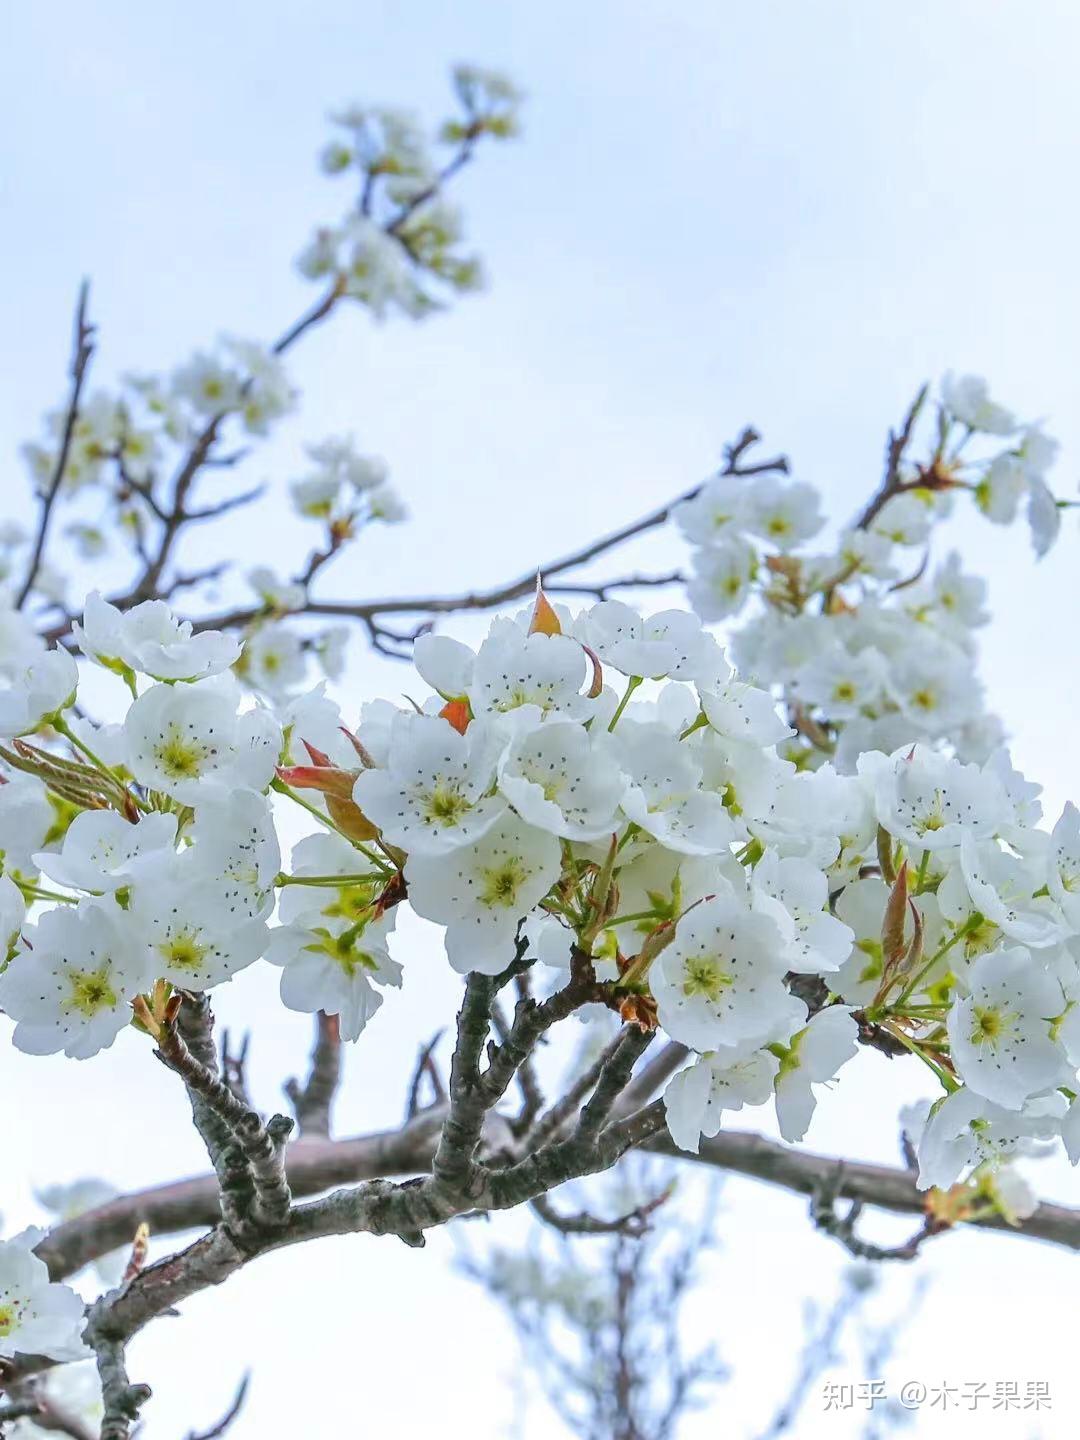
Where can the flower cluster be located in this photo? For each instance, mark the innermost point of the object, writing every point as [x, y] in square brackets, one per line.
[870, 647]
[132, 430]
[125, 464]
[598, 791]
[398, 248]
[346, 488]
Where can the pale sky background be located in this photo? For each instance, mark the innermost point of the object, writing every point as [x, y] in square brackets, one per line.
[787, 213]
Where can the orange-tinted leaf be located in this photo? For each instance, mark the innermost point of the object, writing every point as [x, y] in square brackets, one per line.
[457, 713]
[326, 778]
[348, 817]
[318, 757]
[544, 620]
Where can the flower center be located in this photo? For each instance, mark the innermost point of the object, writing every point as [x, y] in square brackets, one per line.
[183, 951]
[91, 991]
[501, 885]
[181, 757]
[350, 902]
[705, 975]
[987, 1024]
[446, 805]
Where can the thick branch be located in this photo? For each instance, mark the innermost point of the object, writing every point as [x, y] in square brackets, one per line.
[262, 1146]
[315, 1165]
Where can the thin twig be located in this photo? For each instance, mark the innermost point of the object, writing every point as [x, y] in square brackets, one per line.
[826, 1218]
[227, 1419]
[425, 1065]
[634, 1223]
[83, 349]
[313, 1101]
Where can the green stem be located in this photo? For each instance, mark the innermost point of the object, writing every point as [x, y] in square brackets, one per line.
[631, 685]
[924, 970]
[35, 892]
[287, 790]
[629, 919]
[943, 1076]
[60, 724]
[330, 881]
[920, 878]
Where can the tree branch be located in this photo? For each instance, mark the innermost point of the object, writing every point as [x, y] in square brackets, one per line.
[372, 611]
[262, 1146]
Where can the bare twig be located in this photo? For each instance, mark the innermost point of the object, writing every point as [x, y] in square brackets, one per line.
[223, 507]
[634, 1223]
[555, 1119]
[83, 349]
[313, 1101]
[233, 1067]
[371, 612]
[227, 1419]
[425, 1065]
[891, 483]
[825, 1216]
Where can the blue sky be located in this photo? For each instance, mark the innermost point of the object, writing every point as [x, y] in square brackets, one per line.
[787, 213]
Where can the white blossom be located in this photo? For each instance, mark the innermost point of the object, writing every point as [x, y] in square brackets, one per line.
[696, 1097]
[813, 1057]
[927, 800]
[150, 640]
[1000, 1033]
[100, 850]
[183, 738]
[720, 980]
[967, 399]
[72, 990]
[36, 1316]
[33, 692]
[482, 890]
[723, 574]
[561, 780]
[433, 794]
[795, 894]
[335, 967]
